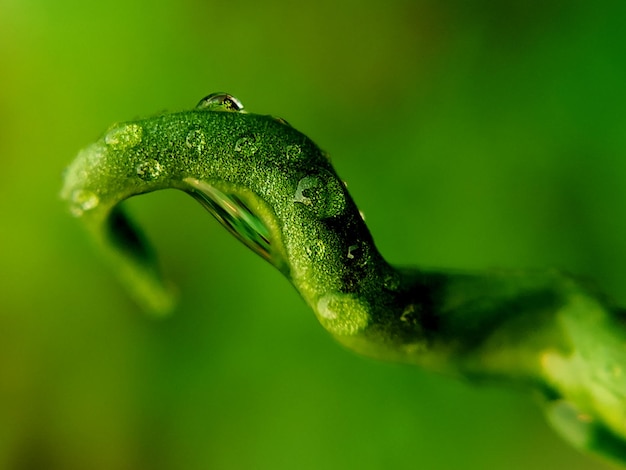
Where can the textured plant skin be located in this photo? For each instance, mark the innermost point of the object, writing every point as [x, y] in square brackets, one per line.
[272, 187]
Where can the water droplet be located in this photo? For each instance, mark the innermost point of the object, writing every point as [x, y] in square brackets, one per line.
[124, 137]
[306, 188]
[82, 201]
[342, 314]
[220, 102]
[293, 151]
[325, 310]
[247, 146]
[324, 195]
[149, 170]
[362, 214]
[196, 140]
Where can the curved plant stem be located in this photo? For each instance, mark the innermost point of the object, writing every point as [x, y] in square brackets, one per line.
[275, 190]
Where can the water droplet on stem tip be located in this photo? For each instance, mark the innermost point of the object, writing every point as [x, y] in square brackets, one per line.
[220, 102]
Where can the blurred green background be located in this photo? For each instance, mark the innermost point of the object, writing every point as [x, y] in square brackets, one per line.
[472, 134]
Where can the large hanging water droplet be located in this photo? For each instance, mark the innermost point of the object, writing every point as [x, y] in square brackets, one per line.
[83, 200]
[124, 137]
[323, 194]
[235, 215]
[149, 170]
[220, 102]
[247, 145]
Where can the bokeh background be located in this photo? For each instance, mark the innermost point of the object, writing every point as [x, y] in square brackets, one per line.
[472, 134]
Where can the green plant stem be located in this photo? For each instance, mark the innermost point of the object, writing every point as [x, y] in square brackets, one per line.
[275, 190]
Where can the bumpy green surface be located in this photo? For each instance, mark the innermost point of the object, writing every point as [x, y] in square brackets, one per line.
[274, 189]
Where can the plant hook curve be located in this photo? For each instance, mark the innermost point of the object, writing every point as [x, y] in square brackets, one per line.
[275, 190]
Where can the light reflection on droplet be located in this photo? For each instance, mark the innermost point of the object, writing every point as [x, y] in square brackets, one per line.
[235, 215]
